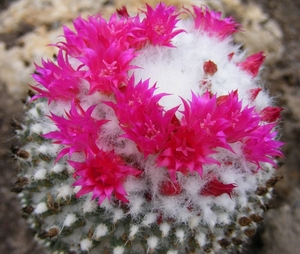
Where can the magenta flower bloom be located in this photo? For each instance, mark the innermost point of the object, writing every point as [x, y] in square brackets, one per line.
[210, 122]
[77, 131]
[102, 174]
[107, 67]
[98, 32]
[260, 146]
[103, 50]
[160, 23]
[242, 120]
[211, 23]
[141, 117]
[60, 81]
[200, 132]
[186, 151]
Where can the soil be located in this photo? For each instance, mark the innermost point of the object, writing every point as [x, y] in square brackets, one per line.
[280, 232]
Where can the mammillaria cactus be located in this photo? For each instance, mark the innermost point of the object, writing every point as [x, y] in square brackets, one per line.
[148, 134]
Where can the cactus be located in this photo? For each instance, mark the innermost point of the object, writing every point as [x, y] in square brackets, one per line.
[148, 134]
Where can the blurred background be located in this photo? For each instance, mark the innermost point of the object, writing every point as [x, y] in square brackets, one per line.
[27, 26]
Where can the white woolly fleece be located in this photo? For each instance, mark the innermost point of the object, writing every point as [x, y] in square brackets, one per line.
[179, 70]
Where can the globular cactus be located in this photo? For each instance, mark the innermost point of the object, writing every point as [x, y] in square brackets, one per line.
[148, 134]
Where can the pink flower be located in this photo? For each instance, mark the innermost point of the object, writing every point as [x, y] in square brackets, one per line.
[210, 122]
[211, 23]
[107, 67]
[76, 131]
[104, 49]
[136, 94]
[261, 146]
[204, 113]
[242, 121]
[206, 124]
[216, 188]
[252, 63]
[141, 117]
[60, 81]
[245, 126]
[102, 174]
[96, 31]
[160, 23]
[150, 129]
[187, 150]
[131, 97]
